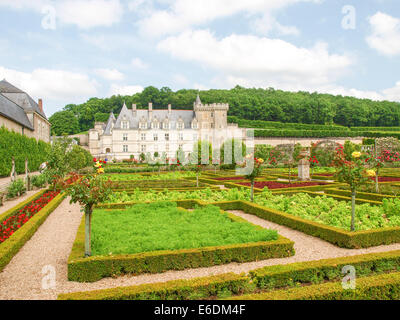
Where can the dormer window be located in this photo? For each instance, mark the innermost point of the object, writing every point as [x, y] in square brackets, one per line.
[180, 125]
[155, 124]
[143, 125]
[195, 125]
[166, 124]
[125, 125]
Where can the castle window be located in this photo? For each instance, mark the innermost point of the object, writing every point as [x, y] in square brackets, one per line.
[155, 136]
[166, 125]
[143, 148]
[125, 148]
[125, 137]
[212, 114]
[167, 137]
[143, 137]
[124, 124]
[180, 125]
[143, 125]
[194, 126]
[181, 136]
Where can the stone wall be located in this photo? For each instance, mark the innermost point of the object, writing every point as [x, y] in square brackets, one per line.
[305, 142]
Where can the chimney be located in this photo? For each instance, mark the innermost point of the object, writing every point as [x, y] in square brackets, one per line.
[134, 109]
[150, 111]
[40, 103]
[169, 109]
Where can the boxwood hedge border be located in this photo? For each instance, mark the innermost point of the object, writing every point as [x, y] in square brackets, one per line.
[263, 279]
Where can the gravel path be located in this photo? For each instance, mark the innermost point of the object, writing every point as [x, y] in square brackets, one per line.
[51, 245]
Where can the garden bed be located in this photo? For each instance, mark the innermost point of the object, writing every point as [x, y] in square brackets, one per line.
[162, 237]
[281, 185]
[23, 221]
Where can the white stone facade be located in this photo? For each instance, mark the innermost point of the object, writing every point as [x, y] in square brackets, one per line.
[161, 131]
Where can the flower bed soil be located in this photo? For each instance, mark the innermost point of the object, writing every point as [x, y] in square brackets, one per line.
[386, 179]
[278, 185]
[230, 178]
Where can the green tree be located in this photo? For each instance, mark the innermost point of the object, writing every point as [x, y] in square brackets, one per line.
[64, 122]
[89, 191]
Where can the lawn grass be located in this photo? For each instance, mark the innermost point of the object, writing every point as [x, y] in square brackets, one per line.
[163, 226]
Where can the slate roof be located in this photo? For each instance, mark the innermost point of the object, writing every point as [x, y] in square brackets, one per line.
[186, 115]
[111, 120]
[20, 98]
[14, 112]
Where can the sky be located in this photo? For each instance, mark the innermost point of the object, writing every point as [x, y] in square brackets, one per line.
[67, 51]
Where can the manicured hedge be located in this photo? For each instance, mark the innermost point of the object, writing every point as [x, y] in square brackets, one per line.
[97, 267]
[289, 275]
[267, 278]
[380, 287]
[10, 247]
[359, 195]
[268, 133]
[275, 124]
[20, 147]
[198, 288]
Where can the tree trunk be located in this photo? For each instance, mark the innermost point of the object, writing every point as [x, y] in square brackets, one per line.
[88, 230]
[353, 208]
[252, 191]
[197, 179]
[377, 181]
[290, 174]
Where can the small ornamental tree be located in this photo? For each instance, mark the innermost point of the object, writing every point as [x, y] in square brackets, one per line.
[201, 156]
[313, 163]
[354, 173]
[89, 191]
[256, 171]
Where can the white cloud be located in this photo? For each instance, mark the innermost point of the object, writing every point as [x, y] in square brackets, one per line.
[393, 93]
[268, 23]
[183, 14]
[124, 90]
[138, 64]
[252, 60]
[83, 13]
[110, 74]
[51, 84]
[385, 37]
[90, 13]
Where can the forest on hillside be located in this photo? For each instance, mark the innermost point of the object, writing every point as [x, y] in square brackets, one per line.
[250, 104]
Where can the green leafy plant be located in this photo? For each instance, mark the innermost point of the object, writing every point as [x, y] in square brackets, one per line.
[39, 180]
[16, 188]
